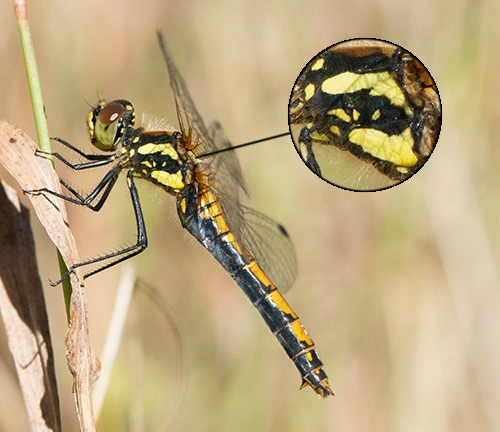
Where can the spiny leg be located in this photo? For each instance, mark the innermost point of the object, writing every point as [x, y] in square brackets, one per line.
[106, 184]
[90, 157]
[107, 190]
[96, 160]
[125, 253]
[100, 160]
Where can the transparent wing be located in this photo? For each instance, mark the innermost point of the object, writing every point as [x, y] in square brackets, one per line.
[225, 173]
[193, 128]
[266, 240]
[226, 180]
[271, 246]
[227, 162]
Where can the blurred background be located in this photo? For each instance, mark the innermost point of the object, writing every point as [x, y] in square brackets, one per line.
[399, 289]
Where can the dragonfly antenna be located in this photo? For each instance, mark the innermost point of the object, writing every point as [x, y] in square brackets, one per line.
[244, 145]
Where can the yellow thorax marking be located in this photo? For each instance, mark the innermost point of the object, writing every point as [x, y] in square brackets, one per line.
[319, 137]
[183, 205]
[341, 114]
[335, 130]
[318, 64]
[309, 91]
[397, 149]
[171, 180]
[163, 149]
[379, 84]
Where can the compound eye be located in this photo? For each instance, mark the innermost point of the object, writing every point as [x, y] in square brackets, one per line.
[107, 128]
[110, 114]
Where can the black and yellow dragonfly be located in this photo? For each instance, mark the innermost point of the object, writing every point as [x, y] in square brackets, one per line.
[189, 164]
[372, 99]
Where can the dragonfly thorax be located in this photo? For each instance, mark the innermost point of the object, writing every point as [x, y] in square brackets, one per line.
[155, 156]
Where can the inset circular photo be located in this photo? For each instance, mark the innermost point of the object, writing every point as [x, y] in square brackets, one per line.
[364, 115]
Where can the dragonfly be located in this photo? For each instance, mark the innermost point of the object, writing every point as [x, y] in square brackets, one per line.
[194, 166]
[372, 99]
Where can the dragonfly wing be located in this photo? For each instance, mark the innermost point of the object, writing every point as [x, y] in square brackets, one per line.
[195, 132]
[271, 246]
[224, 169]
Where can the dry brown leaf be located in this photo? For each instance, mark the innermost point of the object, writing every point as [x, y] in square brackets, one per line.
[17, 155]
[22, 306]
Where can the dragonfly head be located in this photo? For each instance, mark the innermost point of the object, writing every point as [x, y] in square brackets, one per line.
[108, 122]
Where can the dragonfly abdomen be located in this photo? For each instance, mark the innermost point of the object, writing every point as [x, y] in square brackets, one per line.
[285, 325]
[203, 217]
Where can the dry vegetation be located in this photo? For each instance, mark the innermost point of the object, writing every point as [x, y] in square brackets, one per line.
[399, 289]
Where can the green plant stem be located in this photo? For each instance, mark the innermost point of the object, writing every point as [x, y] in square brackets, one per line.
[42, 130]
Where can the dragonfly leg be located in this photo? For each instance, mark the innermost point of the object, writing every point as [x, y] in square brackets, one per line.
[306, 150]
[104, 186]
[90, 157]
[96, 160]
[124, 253]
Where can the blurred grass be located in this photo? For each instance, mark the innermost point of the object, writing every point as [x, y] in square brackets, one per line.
[399, 289]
